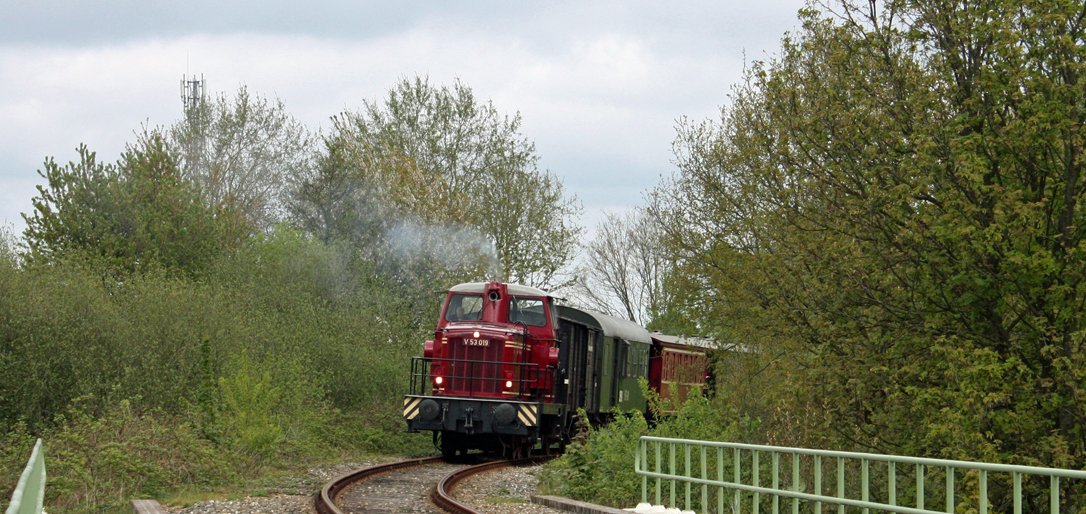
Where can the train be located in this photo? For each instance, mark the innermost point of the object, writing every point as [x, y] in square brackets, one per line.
[509, 368]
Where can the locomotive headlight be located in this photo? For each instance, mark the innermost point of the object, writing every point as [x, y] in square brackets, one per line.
[508, 384]
[439, 380]
[475, 334]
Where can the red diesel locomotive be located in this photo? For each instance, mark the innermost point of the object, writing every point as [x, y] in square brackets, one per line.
[508, 368]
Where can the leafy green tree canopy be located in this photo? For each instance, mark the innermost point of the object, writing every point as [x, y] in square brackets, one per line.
[135, 214]
[436, 159]
[241, 153]
[896, 203]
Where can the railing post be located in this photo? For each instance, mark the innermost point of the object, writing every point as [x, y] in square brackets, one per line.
[639, 462]
[865, 486]
[1054, 495]
[671, 470]
[736, 466]
[688, 473]
[756, 473]
[776, 482]
[950, 489]
[29, 494]
[920, 486]
[704, 476]
[795, 482]
[659, 468]
[983, 492]
[891, 485]
[720, 478]
[1017, 493]
[840, 484]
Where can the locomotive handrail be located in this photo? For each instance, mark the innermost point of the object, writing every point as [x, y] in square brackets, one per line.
[472, 380]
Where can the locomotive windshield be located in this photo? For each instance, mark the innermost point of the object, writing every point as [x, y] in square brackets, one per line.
[464, 307]
[527, 310]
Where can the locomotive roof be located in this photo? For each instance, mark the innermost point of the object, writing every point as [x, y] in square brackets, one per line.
[609, 325]
[514, 289]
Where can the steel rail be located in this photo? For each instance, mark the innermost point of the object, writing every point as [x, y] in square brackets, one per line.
[325, 500]
[441, 494]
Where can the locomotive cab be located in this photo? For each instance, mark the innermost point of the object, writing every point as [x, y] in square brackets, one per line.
[494, 341]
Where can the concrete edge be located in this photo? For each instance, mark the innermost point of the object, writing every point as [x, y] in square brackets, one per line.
[568, 505]
[147, 507]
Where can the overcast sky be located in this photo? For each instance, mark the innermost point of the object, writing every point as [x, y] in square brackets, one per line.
[600, 85]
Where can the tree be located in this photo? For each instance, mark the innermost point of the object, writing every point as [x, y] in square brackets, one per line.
[437, 158]
[895, 203]
[242, 153]
[132, 215]
[627, 269]
[70, 204]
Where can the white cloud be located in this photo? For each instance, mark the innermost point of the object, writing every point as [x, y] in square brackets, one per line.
[599, 85]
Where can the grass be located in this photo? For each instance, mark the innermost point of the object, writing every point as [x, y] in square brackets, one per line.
[294, 478]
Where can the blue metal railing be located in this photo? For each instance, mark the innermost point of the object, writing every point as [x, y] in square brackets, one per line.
[29, 495]
[802, 476]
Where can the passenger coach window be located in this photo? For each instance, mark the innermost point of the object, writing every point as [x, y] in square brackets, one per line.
[464, 307]
[622, 349]
[527, 310]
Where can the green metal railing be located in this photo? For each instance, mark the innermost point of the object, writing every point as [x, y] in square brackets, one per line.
[859, 482]
[29, 495]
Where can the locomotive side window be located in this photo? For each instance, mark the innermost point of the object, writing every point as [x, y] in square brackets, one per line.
[528, 311]
[464, 307]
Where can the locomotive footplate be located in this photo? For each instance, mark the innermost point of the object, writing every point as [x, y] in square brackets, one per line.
[471, 415]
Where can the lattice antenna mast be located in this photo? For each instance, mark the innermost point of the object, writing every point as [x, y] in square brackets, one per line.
[195, 146]
[193, 91]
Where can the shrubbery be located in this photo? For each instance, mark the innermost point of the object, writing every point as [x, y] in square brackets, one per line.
[101, 461]
[599, 464]
[149, 383]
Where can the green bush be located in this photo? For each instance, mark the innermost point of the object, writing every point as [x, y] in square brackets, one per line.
[15, 447]
[265, 410]
[146, 384]
[598, 466]
[99, 462]
[60, 332]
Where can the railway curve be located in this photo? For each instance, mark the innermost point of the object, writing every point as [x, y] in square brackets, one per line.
[344, 489]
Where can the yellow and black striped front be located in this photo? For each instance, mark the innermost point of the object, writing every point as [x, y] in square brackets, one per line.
[411, 407]
[528, 414]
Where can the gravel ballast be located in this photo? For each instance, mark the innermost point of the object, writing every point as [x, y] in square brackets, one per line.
[505, 491]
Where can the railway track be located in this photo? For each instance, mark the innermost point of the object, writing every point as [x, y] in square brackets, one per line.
[402, 487]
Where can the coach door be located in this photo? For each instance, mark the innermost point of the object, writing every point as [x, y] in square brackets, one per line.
[574, 342]
[593, 367]
[619, 371]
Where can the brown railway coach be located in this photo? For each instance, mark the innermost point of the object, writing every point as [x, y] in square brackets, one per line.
[679, 366]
